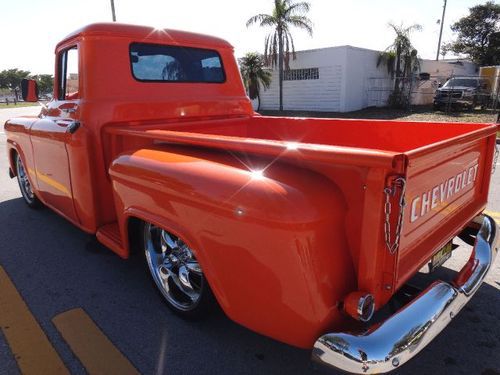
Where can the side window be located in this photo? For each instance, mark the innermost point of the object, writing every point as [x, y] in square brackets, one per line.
[68, 74]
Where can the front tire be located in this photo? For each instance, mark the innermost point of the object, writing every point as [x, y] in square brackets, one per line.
[176, 273]
[25, 185]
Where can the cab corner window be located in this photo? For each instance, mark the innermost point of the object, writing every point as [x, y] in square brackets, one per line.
[68, 74]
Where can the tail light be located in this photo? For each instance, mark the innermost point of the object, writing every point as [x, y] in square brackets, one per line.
[360, 306]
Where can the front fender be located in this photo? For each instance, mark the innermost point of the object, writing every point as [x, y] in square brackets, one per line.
[269, 236]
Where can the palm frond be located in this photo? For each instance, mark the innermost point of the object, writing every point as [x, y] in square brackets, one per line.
[301, 22]
[262, 20]
[298, 8]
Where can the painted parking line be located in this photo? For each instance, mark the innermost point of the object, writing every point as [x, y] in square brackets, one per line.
[30, 346]
[495, 215]
[96, 352]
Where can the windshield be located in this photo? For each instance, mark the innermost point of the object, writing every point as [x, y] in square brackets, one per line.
[464, 82]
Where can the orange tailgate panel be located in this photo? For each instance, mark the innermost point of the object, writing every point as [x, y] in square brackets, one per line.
[445, 190]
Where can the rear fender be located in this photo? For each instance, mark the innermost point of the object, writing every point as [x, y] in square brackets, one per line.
[272, 244]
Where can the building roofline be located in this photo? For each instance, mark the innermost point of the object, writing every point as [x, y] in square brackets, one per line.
[345, 46]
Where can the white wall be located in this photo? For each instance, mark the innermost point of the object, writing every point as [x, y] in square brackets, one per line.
[341, 87]
[446, 68]
[323, 94]
[361, 73]
[349, 80]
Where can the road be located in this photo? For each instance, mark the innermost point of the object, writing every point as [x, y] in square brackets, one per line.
[56, 268]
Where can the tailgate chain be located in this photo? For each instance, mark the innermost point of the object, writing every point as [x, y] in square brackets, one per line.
[391, 191]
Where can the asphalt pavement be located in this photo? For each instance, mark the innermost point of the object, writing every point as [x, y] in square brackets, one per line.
[57, 268]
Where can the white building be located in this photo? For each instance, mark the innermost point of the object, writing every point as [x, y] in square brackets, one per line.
[449, 67]
[343, 79]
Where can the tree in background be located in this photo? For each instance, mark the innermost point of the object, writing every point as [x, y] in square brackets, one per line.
[252, 68]
[478, 34]
[45, 83]
[279, 42]
[11, 79]
[402, 62]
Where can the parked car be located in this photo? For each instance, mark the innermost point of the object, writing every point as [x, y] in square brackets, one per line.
[298, 228]
[463, 92]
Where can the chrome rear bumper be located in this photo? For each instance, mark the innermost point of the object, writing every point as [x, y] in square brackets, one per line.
[387, 345]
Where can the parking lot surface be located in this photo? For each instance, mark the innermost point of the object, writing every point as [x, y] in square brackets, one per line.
[54, 279]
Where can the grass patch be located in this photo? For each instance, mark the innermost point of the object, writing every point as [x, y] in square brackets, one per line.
[18, 105]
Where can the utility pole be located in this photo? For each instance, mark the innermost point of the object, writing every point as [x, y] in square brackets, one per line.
[441, 31]
[114, 14]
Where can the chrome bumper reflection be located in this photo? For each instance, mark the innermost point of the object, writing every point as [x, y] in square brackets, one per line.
[388, 345]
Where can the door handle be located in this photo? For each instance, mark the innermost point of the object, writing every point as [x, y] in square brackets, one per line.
[72, 127]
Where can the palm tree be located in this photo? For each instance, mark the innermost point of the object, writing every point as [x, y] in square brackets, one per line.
[279, 41]
[254, 75]
[401, 58]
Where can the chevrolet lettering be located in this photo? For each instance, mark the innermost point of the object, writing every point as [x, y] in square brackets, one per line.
[298, 228]
[443, 193]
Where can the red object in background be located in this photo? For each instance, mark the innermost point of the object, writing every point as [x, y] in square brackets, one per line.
[29, 90]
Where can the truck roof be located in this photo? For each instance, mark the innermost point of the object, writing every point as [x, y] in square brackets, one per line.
[147, 33]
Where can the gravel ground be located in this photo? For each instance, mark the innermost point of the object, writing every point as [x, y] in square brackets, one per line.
[416, 114]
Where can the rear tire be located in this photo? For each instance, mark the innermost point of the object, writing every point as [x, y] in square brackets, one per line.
[25, 185]
[176, 273]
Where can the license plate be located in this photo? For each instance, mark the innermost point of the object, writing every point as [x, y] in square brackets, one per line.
[441, 256]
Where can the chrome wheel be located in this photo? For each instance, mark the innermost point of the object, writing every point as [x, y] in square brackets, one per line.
[174, 269]
[24, 182]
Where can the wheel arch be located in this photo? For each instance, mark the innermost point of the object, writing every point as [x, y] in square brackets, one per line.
[131, 226]
[12, 160]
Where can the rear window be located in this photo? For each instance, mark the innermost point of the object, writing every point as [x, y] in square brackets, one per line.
[161, 63]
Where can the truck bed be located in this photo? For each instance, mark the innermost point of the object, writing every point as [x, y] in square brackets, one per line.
[393, 136]
[362, 157]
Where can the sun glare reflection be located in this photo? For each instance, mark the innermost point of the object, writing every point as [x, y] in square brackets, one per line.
[292, 145]
[257, 175]
[158, 30]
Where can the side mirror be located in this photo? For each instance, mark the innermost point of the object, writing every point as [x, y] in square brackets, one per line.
[29, 90]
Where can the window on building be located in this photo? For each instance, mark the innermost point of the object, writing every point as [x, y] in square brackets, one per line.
[301, 74]
[162, 63]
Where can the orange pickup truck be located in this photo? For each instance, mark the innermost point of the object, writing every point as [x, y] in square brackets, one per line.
[300, 229]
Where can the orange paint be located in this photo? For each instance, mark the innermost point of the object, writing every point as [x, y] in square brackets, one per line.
[286, 216]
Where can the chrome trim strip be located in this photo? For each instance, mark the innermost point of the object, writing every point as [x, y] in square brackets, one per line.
[386, 346]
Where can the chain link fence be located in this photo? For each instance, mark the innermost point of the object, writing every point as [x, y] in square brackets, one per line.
[442, 93]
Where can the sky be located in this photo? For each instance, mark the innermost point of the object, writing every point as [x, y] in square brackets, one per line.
[32, 28]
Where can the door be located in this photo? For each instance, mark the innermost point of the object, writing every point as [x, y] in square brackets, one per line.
[50, 135]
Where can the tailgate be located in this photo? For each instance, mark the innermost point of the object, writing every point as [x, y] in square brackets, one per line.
[447, 185]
